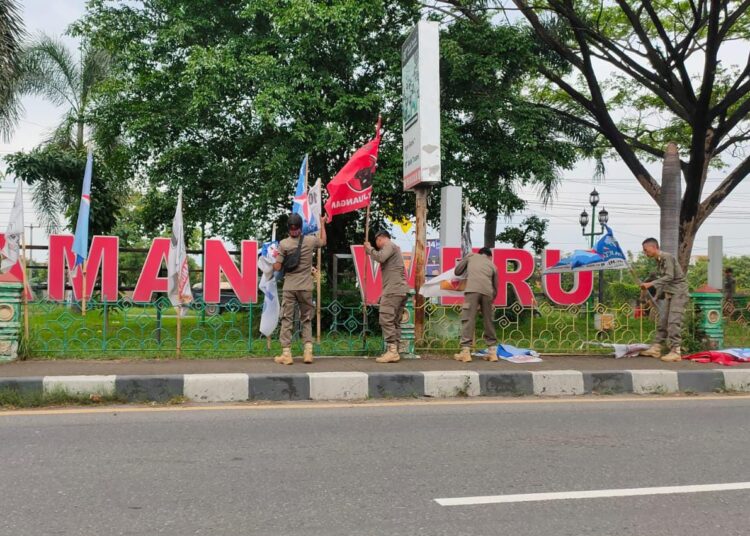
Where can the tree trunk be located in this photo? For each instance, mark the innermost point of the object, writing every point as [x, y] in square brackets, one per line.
[669, 201]
[490, 229]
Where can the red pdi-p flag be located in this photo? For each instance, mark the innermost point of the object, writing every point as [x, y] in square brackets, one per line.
[351, 188]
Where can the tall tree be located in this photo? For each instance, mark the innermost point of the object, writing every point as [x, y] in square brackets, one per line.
[647, 73]
[11, 33]
[495, 139]
[54, 169]
[225, 98]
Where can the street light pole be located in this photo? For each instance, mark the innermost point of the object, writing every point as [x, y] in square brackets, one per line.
[603, 219]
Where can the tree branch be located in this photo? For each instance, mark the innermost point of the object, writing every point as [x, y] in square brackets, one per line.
[723, 190]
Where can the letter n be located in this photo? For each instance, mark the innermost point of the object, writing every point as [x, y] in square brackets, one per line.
[218, 261]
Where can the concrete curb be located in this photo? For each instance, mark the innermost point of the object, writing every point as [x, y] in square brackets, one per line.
[237, 387]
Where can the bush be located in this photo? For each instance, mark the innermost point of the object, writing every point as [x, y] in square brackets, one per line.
[621, 293]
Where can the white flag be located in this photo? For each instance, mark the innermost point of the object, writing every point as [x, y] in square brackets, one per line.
[177, 265]
[466, 238]
[314, 202]
[269, 318]
[444, 285]
[14, 233]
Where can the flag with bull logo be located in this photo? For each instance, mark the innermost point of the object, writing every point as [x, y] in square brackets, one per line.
[178, 276]
[351, 188]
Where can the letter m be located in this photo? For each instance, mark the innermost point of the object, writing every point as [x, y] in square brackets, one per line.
[103, 256]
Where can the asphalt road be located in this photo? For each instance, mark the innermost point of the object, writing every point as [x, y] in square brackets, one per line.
[314, 469]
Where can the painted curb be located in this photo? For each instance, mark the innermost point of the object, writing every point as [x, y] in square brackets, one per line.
[237, 387]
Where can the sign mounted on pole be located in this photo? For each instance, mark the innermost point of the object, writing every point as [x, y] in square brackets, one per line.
[420, 78]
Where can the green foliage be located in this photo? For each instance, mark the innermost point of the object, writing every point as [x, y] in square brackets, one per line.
[55, 168]
[531, 230]
[494, 139]
[11, 32]
[621, 293]
[56, 174]
[242, 91]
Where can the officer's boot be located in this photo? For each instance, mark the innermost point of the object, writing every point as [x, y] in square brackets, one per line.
[491, 354]
[307, 356]
[673, 356]
[390, 355]
[285, 358]
[464, 355]
[654, 351]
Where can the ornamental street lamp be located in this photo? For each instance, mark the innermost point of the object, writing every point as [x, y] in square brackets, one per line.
[584, 221]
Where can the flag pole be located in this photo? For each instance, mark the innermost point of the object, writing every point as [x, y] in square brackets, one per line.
[179, 325]
[83, 292]
[26, 289]
[273, 239]
[364, 282]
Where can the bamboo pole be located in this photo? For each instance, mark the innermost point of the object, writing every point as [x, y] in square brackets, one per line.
[364, 281]
[83, 291]
[179, 325]
[273, 238]
[26, 290]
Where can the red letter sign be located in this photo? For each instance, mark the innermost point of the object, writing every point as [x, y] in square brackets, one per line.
[218, 261]
[149, 280]
[552, 283]
[104, 254]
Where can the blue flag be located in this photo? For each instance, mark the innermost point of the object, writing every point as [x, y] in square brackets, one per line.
[607, 255]
[81, 241]
[306, 203]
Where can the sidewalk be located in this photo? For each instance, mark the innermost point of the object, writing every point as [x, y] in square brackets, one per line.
[77, 367]
[260, 379]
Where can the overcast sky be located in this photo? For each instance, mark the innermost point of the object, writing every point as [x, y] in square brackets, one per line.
[632, 213]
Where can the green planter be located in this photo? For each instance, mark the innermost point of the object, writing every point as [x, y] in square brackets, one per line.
[708, 304]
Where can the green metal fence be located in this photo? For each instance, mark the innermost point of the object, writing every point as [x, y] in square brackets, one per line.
[128, 329]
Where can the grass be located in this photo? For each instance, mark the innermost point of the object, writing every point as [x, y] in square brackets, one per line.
[12, 399]
[136, 331]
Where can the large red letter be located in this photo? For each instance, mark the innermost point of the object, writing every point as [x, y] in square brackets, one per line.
[583, 283]
[103, 254]
[374, 277]
[516, 279]
[218, 261]
[374, 287]
[149, 280]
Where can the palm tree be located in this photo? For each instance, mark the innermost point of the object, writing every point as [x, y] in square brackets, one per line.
[11, 32]
[50, 70]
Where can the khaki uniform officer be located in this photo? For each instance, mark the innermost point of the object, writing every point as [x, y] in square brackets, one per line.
[481, 289]
[297, 289]
[672, 286]
[393, 298]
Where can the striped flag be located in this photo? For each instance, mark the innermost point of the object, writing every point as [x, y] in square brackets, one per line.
[81, 240]
[178, 289]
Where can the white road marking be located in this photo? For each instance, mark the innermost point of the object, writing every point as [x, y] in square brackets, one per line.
[592, 494]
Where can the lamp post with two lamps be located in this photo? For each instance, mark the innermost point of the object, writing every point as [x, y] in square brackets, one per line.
[603, 219]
